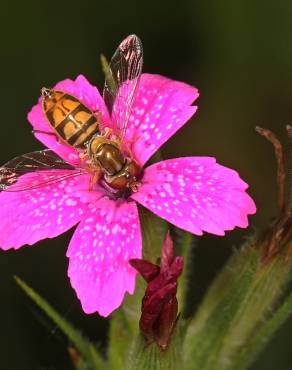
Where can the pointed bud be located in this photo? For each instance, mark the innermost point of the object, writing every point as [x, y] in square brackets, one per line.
[159, 305]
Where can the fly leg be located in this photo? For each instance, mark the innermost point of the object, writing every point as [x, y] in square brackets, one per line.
[98, 117]
[94, 179]
[129, 147]
[43, 132]
[107, 130]
[96, 175]
[84, 156]
[48, 133]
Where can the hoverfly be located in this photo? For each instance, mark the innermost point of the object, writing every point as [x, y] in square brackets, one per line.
[101, 151]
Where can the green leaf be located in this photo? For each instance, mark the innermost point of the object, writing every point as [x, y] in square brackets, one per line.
[120, 336]
[258, 304]
[84, 347]
[259, 314]
[256, 344]
[206, 333]
[142, 357]
[146, 357]
[108, 75]
[239, 312]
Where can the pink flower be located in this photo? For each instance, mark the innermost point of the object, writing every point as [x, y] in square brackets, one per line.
[193, 193]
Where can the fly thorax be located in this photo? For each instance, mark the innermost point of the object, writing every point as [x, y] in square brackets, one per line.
[127, 177]
[120, 172]
[111, 159]
[107, 155]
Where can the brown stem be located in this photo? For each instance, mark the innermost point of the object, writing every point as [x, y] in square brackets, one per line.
[270, 136]
[289, 204]
[279, 235]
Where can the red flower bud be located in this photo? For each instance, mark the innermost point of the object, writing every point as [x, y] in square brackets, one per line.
[159, 304]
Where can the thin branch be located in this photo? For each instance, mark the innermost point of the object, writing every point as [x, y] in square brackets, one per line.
[270, 136]
[289, 204]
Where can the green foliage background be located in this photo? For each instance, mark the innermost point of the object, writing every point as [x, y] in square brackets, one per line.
[238, 54]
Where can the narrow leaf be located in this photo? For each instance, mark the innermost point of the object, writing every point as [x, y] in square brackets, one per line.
[85, 348]
[120, 336]
[206, 333]
[257, 343]
[108, 75]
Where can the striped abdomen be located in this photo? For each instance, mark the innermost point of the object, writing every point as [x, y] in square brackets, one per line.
[72, 121]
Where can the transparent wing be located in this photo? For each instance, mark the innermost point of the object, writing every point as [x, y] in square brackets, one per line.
[121, 82]
[41, 168]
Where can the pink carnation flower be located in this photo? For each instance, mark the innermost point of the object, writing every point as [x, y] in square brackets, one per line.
[193, 193]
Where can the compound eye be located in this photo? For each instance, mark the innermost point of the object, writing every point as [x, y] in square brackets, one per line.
[128, 176]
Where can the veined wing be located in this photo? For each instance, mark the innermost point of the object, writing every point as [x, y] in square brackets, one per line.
[34, 170]
[121, 82]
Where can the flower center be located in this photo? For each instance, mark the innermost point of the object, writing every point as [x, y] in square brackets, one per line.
[124, 192]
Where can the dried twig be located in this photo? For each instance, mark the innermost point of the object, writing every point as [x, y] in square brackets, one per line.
[269, 135]
[289, 203]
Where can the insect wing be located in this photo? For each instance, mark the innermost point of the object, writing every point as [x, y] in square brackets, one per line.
[122, 81]
[34, 170]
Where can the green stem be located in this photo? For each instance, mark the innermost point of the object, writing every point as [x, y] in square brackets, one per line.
[153, 234]
[185, 244]
[125, 323]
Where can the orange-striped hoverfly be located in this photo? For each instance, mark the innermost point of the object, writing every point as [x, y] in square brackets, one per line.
[77, 126]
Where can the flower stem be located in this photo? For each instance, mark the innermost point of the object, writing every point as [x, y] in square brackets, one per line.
[185, 241]
[153, 234]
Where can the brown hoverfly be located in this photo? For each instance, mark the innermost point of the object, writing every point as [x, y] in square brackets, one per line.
[101, 151]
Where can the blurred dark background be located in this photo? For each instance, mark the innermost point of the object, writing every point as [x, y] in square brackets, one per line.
[238, 54]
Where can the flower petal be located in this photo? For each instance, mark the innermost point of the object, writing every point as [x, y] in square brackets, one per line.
[196, 194]
[161, 107]
[99, 252]
[43, 212]
[88, 95]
